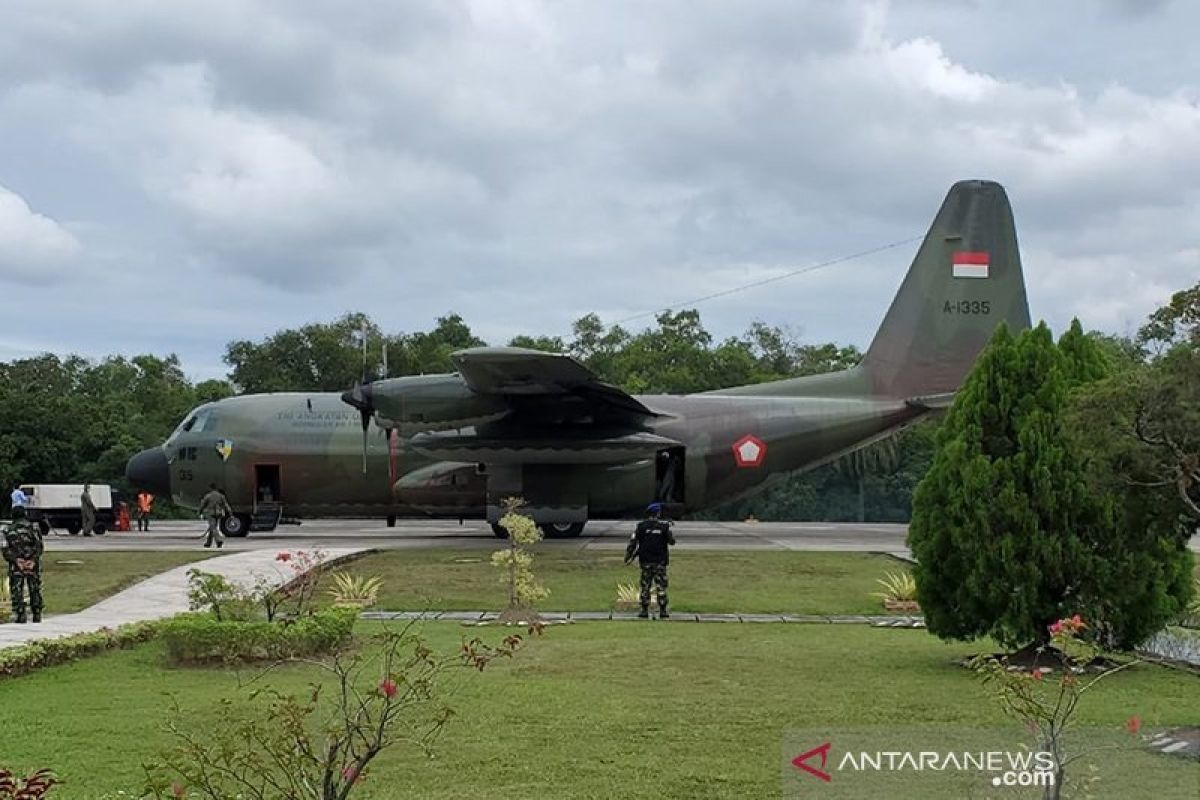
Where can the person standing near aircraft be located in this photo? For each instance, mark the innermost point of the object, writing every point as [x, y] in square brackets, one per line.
[87, 510]
[214, 507]
[19, 498]
[651, 544]
[22, 551]
[145, 506]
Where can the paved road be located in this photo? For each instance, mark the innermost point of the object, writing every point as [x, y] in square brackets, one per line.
[425, 534]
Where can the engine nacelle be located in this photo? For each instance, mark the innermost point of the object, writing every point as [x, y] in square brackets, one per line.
[427, 403]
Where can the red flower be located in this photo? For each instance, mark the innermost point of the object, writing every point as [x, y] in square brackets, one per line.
[350, 773]
[387, 688]
[177, 789]
[284, 556]
[1133, 725]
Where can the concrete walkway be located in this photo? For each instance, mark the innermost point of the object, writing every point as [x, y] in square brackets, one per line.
[162, 596]
[880, 621]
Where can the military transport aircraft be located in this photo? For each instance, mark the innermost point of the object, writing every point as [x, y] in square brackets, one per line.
[542, 426]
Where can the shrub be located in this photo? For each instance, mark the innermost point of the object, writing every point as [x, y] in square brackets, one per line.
[48, 652]
[355, 590]
[319, 744]
[214, 593]
[201, 638]
[898, 587]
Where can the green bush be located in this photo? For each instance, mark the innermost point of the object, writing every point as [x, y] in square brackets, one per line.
[48, 652]
[202, 638]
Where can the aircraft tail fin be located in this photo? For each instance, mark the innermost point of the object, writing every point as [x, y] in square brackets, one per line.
[965, 280]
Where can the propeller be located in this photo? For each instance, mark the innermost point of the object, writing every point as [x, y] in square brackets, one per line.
[361, 397]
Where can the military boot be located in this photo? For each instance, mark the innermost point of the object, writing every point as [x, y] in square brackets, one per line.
[644, 613]
[37, 616]
[662, 612]
[21, 618]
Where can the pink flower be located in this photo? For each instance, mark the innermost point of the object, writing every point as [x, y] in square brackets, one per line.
[177, 789]
[387, 688]
[350, 773]
[284, 556]
[1056, 628]
[1133, 725]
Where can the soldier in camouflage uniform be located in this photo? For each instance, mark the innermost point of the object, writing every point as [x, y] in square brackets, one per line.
[22, 551]
[651, 544]
[214, 507]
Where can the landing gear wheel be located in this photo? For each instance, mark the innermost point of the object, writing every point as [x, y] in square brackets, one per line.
[73, 528]
[391, 520]
[100, 529]
[499, 531]
[562, 530]
[236, 526]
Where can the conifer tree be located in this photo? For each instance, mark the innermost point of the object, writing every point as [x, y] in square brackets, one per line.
[1007, 536]
[1022, 518]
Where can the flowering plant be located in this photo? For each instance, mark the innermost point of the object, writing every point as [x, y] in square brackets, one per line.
[1047, 707]
[318, 746]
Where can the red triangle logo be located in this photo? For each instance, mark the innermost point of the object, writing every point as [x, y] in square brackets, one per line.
[801, 760]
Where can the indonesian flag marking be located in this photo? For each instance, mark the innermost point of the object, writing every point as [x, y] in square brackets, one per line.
[970, 265]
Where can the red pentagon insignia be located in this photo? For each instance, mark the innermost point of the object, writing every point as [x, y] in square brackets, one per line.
[749, 451]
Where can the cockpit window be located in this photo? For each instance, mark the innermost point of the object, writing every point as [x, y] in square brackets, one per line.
[200, 420]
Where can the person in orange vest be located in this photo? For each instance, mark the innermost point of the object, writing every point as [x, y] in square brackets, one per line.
[145, 505]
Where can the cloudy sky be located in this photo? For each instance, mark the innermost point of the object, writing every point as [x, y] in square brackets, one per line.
[176, 175]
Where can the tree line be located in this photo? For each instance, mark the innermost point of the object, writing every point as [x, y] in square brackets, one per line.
[69, 419]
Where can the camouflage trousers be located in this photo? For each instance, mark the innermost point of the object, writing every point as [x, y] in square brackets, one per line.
[17, 581]
[214, 532]
[654, 575]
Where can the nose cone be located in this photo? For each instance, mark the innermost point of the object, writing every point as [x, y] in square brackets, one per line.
[149, 470]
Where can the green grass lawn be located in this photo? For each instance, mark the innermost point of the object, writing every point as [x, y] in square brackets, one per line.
[74, 587]
[747, 581]
[601, 710]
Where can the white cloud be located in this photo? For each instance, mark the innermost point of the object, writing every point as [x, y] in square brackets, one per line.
[33, 247]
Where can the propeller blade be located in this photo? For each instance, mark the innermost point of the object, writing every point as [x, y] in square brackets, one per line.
[361, 398]
[366, 423]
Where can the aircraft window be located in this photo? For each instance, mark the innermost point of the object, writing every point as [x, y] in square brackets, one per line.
[187, 424]
[205, 421]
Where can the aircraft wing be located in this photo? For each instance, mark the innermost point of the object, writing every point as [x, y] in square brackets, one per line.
[547, 379]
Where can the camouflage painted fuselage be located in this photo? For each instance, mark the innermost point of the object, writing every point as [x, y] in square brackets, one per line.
[316, 443]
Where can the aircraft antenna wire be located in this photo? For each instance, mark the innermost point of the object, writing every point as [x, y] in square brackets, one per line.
[773, 279]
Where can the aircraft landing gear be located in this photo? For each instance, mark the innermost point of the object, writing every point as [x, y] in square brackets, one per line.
[550, 530]
[562, 530]
[236, 525]
[391, 520]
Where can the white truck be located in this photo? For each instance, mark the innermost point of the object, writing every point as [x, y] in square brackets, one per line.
[56, 505]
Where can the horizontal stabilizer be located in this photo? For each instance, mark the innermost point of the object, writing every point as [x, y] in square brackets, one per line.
[932, 402]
